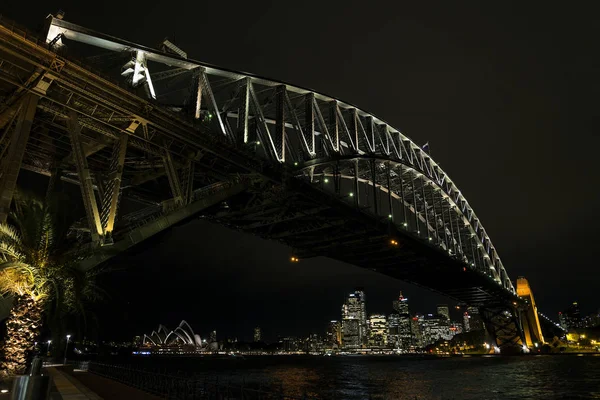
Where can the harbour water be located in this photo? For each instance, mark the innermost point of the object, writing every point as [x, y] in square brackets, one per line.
[389, 377]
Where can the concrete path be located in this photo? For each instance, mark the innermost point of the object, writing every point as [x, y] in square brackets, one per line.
[82, 385]
[66, 388]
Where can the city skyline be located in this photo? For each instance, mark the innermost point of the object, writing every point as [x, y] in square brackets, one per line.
[397, 328]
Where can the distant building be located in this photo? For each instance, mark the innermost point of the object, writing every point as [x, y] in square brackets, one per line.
[334, 334]
[393, 331]
[351, 333]
[377, 331]
[571, 317]
[466, 324]
[257, 334]
[212, 337]
[404, 334]
[290, 344]
[444, 311]
[475, 321]
[313, 343]
[436, 327]
[592, 320]
[417, 331]
[354, 321]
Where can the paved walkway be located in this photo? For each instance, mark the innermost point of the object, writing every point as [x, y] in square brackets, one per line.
[81, 385]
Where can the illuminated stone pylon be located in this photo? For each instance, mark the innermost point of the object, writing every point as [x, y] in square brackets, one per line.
[529, 317]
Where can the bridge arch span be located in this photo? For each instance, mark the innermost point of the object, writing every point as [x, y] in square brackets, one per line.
[414, 201]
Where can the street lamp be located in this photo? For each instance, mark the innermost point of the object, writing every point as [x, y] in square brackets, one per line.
[66, 348]
[49, 341]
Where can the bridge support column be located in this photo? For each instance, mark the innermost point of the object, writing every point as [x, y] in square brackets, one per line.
[280, 118]
[85, 178]
[188, 181]
[503, 324]
[309, 120]
[374, 181]
[173, 178]
[244, 112]
[531, 323]
[334, 127]
[110, 198]
[355, 193]
[403, 202]
[11, 165]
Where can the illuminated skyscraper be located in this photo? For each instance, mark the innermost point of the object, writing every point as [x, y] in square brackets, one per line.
[257, 334]
[377, 331]
[393, 326]
[354, 321]
[466, 324]
[571, 317]
[417, 333]
[334, 334]
[405, 335]
[442, 309]
[475, 321]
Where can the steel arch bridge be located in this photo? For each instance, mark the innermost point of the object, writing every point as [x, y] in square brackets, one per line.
[156, 138]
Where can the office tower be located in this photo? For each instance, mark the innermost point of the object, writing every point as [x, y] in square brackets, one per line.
[377, 331]
[334, 334]
[257, 334]
[405, 335]
[393, 326]
[354, 323]
[443, 310]
[475, 321]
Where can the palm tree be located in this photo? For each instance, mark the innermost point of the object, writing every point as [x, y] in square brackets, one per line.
[38, 267]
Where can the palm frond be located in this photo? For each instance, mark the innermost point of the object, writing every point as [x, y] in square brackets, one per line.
[9, 234]
[9, 251]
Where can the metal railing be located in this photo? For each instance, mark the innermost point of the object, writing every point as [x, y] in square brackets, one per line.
[187, 388]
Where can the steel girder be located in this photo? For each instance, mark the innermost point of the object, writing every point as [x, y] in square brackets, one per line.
[316, 136]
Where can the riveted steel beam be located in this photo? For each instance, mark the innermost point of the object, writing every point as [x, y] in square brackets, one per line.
[87, 189]
[173, 178]
[11, 164]
[112, 189]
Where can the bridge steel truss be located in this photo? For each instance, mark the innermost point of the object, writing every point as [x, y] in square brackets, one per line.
[107, 138]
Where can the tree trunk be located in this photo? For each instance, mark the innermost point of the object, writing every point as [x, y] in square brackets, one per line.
[23, 328]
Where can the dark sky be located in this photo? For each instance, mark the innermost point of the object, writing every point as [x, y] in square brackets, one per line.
[506, 93]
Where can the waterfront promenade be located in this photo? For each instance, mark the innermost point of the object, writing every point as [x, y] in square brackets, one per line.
[82, 385]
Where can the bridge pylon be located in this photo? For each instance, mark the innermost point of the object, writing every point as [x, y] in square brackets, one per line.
[503, 324]
[532, 330]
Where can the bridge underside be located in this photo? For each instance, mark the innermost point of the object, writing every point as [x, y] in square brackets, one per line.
[291, 165]
[313, 223]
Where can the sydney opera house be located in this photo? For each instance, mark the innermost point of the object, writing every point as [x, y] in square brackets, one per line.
[183, 335]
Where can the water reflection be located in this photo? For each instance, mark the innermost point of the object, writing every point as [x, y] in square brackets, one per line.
[544, 377]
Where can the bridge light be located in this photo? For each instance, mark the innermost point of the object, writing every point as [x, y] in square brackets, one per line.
[390, 216]
[405, 224]
[326, 180]
[393, 242]
[430, 238]
[351, 194]
[257, 142]
[296, 163]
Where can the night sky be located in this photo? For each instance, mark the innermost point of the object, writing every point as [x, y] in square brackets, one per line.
[505, 93]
